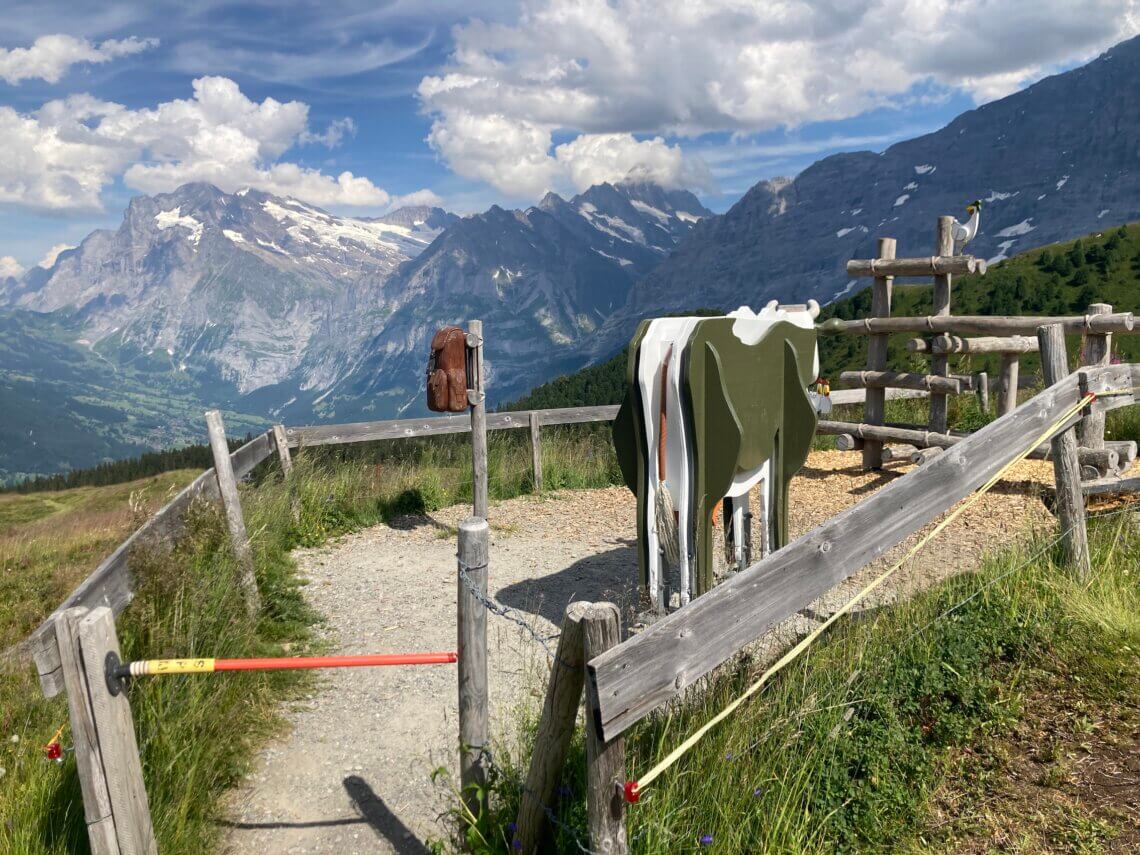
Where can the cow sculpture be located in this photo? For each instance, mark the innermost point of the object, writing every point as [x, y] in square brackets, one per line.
[714, 407]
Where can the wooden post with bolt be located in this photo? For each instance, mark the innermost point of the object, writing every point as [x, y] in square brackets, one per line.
[1096, 352]
[235, 522]
[536, 451]
[940, 363]
[477, 397]
[471, 615]
[1070, 500]
[555, 732]
[115, 803]
[605, 761]
[874, 407]
[1007, 385]
[282, 446]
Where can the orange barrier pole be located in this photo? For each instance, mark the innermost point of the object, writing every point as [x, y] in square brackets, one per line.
[117, 671]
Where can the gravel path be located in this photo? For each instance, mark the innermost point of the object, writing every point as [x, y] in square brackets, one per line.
[354, 773]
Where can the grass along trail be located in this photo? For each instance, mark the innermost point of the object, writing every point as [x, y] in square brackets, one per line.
[355, 772]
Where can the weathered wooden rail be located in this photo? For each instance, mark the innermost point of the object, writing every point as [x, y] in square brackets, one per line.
[631, 680]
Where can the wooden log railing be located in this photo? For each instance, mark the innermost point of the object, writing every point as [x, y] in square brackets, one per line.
[631, 680]
[935, 265]
[1119, 322]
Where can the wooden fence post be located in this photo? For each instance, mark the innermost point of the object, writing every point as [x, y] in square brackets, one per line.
[605, 761]
[1096, 351]
[109, 733]
[940, 363]
[471, 615]
[983, 380]
[555, 731]
[874, 407]
[1066, 465]
[1008, 383]
[282, 446]
[227, 486]
[536, 451]
[478, 400]
[92, 780]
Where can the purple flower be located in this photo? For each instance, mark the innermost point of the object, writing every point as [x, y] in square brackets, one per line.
[516, 844]
[728, 756]
[756, 793]
[511, 827]
[706, 840]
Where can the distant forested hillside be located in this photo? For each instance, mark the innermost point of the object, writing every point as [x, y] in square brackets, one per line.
[1060, 279]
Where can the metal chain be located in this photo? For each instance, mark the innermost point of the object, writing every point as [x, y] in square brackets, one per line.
[507, 613]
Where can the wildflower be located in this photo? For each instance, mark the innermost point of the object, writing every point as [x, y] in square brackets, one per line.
[706, 840]
[15, 740]
[516, 844]
[728, 756]
[756, 793]
[511, 827]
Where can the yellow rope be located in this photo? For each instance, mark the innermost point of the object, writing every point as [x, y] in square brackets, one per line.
[637, 787]
[58, 734]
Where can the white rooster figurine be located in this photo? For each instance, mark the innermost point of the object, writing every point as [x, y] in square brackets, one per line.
[963, 234]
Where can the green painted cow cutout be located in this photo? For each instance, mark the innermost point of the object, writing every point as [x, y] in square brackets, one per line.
[714, 406]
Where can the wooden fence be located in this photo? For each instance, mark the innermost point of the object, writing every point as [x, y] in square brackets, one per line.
[623, 682]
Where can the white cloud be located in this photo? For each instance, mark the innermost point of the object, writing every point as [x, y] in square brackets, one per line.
[50, 57]
[10, 267]
[593, 158]
[600, 72]
[52, 254]
[418, 198]
[62, 156]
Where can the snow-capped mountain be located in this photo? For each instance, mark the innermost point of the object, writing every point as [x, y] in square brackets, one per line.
[1050, 163]
[236, 285]
[279, 310]
[543, 280]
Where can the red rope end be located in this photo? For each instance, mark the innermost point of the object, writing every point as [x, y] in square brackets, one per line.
[632, 792]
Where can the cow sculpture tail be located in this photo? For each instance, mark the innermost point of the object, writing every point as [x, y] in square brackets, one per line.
[664, 511]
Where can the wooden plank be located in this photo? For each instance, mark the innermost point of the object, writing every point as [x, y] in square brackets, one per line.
[536, 452]
[1120, 322]
[1070, 504]
[110, 584]
[281, 446]
[471, 620]
[1102, 458]
[245, 459]
[901, 380]
[945, 265]
[406, 428]
[940, 364]
[85, 740]
[115, 731]
[605, 758]
[478, 399]
[1095, 352]
[874, 407]
[1102, 486]
[636, 677]
[555, 731]
[1007, 384]
[897, 453]
[983, 344]
[231, 503]
[846, 397]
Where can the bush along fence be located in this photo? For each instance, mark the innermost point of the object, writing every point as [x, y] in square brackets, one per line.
[75, 649]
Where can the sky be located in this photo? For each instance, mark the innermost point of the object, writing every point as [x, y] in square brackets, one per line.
[360, 107]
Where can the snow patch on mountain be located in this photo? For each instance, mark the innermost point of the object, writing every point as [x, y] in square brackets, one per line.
[173, 219]
[1018, 229]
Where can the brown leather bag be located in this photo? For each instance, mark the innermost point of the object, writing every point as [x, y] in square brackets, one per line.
[447, 371]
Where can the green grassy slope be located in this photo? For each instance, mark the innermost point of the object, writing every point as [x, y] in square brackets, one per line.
[67, 406]
[1060, 279]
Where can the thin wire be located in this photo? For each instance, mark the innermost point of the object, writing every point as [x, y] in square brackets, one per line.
[810, 638]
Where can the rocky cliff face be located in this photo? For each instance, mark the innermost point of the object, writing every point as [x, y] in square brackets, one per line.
[1057, 160]
[240, 286]
[543, 281]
